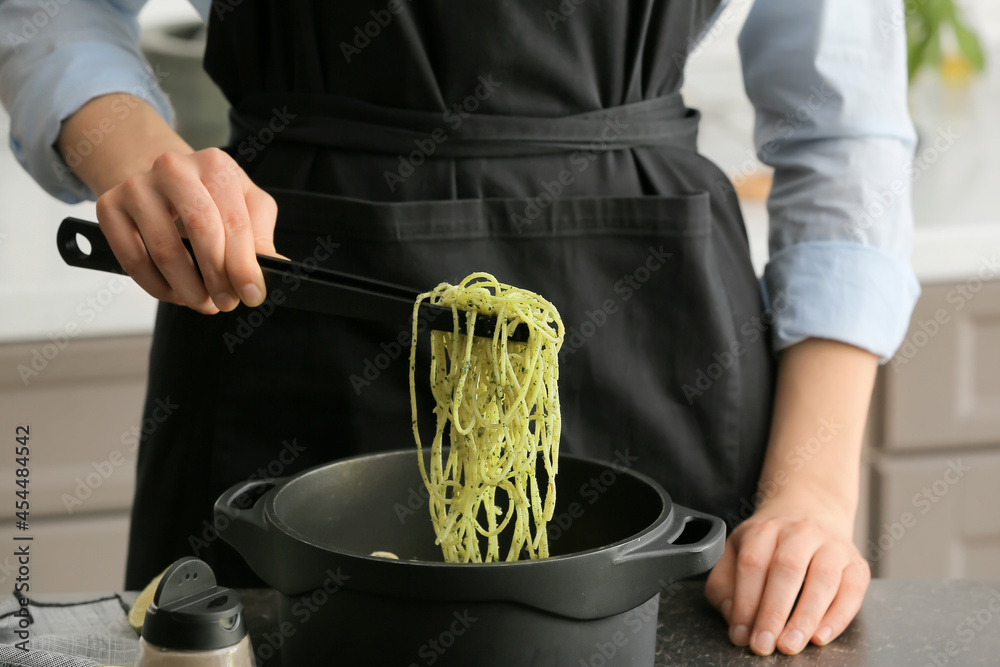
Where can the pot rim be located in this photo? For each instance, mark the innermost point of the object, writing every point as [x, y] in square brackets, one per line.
[271, 512]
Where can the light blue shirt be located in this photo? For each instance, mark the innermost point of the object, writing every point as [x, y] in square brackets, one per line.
[827, 79]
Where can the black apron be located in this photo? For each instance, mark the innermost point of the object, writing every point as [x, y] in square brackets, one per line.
[546, 143]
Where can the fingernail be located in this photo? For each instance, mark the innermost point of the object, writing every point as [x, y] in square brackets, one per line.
[225, 301]
[794, 641]
[725, 608]
[251, 295]
[763, 643]
[739, 635]
[824, 634]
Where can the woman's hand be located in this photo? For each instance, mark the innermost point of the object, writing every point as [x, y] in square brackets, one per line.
[153, 188]
[207, 197]
[800, 536]
[782, 549]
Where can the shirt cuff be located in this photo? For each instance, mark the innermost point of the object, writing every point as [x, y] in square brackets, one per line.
[841, 291]
[63, 82]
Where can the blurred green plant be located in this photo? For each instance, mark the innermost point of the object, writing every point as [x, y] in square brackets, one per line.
[926, 22]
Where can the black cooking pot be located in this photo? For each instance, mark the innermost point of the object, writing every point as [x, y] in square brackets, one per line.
[616, 541]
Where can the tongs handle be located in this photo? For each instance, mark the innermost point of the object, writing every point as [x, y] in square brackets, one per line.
[288, 283]
[100, 257]
[294, 285]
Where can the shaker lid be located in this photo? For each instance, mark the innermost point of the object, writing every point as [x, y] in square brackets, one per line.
[191, 613]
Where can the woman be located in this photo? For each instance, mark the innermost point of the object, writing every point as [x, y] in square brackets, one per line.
[548, 145]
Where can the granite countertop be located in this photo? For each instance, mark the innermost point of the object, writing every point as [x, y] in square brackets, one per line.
[904, 623]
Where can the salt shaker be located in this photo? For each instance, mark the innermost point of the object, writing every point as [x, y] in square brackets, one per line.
[193, 622]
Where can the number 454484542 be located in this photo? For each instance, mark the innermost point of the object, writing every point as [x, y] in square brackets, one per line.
[22, 453]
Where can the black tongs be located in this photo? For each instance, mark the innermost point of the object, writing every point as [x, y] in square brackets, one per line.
[304, 288]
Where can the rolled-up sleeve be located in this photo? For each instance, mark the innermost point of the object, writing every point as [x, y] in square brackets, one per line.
[54, 57]
[828, 82]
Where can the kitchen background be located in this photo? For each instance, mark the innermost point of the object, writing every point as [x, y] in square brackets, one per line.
[931, 471]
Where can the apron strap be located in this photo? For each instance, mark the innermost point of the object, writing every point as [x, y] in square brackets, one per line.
[351, 124]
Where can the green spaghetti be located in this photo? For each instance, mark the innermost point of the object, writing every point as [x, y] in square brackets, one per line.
[498, 402]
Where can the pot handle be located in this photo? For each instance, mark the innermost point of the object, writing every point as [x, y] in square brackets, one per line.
[243, 523]
[696, 548]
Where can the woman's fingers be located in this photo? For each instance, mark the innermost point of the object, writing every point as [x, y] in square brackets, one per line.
[821, 585]
[796, 546]
[853, 584]
[263, 212]
[153, 218]
[753, 558]
[126, 244]
[223, 178]
[721, 581]
[180, 183]
[783, 581]
[227, 218]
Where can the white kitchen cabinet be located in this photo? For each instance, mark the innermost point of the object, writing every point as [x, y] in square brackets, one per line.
[935, 484]
[938, 516]
[943, 386]
[83, 408]
[83, 553]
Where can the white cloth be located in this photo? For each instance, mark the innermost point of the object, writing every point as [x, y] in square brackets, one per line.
[90, 632]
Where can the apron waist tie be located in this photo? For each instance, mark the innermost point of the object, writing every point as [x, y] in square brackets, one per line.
[460, 132]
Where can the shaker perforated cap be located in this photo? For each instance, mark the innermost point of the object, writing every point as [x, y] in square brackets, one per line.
[191, 613]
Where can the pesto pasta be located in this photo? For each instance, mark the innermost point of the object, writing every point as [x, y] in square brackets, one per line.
[497, 404]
